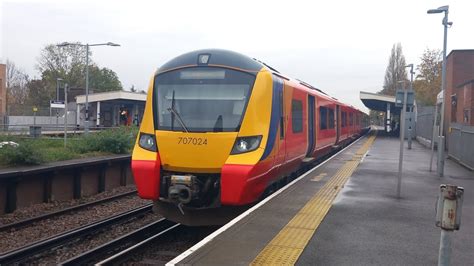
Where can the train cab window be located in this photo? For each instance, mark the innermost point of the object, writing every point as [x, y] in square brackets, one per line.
[330, 118]
[351, 119]
[201, 99]
[297, 116]
[323, 117]
[343, 119]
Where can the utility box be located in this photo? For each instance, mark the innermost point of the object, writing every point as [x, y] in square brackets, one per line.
[35, 131]
[448, 211]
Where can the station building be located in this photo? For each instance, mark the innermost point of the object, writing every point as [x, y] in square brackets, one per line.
[459, 106]
[111, 109]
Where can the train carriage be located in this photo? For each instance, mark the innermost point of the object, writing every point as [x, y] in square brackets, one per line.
[220, 129]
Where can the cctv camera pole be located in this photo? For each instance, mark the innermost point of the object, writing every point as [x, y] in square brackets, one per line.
[402, 140]
[410, 126]
[446, 23]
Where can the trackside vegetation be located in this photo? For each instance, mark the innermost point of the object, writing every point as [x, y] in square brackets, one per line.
[46, 149]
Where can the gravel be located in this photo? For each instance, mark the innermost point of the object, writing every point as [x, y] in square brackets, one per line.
[43, 208]
[16, 238]
[161, 251]
[108, 234]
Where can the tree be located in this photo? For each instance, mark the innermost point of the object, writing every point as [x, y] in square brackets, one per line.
[65, 62]
[103, 79]
[395, 72]
[38, 93]
[69, 64]
[427, 84]
[17, 80]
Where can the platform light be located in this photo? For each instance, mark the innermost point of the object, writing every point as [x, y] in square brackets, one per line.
[64, 44]
[446, 23]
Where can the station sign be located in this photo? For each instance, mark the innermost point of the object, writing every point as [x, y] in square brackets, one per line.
[56, 104]
[399, 98]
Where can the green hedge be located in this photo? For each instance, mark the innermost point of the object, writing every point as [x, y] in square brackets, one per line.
[24, 154]
[117, 141]
[37, 151]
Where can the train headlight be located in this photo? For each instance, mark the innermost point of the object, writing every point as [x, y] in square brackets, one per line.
[246, 144]
[147, 142]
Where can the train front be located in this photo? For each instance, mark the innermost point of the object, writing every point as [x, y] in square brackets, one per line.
[204, 129]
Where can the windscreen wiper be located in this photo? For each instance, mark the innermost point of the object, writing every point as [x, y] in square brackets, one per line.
[175, 113]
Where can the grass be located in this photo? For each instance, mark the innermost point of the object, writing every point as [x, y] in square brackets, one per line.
[45, 149]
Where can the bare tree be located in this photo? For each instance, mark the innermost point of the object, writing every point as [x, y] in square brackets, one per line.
[69, 64]
[17, 80]
[66, 62]
[396, 71]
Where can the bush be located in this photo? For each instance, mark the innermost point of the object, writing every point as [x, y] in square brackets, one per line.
[24, 154]
[118, 141]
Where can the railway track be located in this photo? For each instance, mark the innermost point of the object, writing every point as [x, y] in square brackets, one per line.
[29, 221]
[35, 249]
[125, 245]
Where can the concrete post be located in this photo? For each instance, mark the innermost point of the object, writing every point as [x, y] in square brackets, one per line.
[98, 114]
[402, 141]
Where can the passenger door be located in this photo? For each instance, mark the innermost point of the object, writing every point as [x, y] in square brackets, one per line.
[338, 124]
[311, 128]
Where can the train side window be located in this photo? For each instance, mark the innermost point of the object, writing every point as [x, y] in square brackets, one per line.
[343, 119]
[331, 118]
[351, 119]
[297, 116]
[323, 118]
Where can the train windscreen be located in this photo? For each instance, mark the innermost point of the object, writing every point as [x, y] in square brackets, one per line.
[201, 99]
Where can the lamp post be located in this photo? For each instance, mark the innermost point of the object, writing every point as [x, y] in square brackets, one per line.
[58, 80]
[86, 122]
[441, 9]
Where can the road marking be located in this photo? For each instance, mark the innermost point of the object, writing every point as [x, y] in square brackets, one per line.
[319, 177]
[287, 246]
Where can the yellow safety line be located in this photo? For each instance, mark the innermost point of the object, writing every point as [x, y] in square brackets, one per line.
[287, 246]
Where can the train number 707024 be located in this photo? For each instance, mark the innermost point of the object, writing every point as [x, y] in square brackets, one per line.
[192, 141]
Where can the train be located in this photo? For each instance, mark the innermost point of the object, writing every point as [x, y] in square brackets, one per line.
[220, 130]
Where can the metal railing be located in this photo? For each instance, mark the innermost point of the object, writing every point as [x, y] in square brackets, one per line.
[461, 144]
[424, 122]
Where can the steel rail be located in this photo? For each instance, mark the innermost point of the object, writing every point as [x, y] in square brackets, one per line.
[128, 241]
[123, 255]
[25, 222]
[20, 254]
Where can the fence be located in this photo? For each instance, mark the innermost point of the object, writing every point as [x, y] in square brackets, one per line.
[20, 118]
[424, 124]
[461, 144]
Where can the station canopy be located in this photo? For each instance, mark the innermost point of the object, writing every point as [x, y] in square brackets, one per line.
[379, 102]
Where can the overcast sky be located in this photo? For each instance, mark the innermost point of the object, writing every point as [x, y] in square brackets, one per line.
[341, 47]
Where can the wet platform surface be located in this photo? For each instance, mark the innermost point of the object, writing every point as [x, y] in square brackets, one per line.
[366, 223]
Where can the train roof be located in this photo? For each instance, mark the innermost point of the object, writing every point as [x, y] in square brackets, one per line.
[213, 57]
[221, 57]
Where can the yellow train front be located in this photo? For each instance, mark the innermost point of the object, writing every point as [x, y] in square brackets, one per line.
[219, 129]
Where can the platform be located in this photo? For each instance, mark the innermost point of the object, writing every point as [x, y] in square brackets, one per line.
[365, 224]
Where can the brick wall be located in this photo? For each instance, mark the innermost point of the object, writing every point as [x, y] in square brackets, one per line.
[459, 73]
[463, 105]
